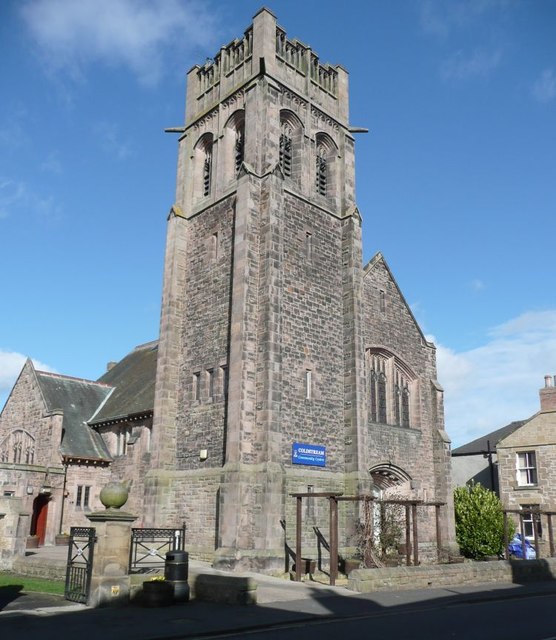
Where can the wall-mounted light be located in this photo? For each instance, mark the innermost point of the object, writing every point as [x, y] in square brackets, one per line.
[29, 491]
[203, 454]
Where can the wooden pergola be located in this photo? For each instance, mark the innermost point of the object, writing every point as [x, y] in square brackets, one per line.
[411, 526]
[536, 520]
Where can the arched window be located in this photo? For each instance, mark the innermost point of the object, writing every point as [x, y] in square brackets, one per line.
[203, 165]
[325, 155]
[391, 384]
[239, 149]
[321, 170]
[233, 150]
[290, 145]
[381, 393]
[18, 447]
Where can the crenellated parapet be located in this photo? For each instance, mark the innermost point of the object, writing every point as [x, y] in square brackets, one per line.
[265, 48]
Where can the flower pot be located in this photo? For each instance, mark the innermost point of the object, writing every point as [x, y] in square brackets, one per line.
[157, 593]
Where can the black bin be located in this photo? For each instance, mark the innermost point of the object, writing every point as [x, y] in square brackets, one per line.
[176, 571]
[176, 566]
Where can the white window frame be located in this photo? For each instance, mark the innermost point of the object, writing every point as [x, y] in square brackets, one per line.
[526, 469]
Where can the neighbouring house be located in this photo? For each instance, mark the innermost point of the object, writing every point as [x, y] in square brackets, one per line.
[477, 460]
[63, 438]
[527, 462]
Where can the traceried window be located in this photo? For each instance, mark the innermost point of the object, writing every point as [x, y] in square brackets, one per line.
[401, 399]
[526, 463]
[390, 388]
[18, 447]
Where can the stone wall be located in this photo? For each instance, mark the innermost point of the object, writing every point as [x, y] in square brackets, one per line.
[14, 527]
[422, 577]
[205, 338]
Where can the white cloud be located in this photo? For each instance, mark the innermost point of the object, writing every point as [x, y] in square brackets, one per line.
[544, 88]
[479, 63]
[111, 140]
[16, 197]
[12, 194]
[11, 364]
[439, 18]
[136, 34]
[492, 385]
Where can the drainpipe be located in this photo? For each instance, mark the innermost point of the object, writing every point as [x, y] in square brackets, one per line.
[63, 497]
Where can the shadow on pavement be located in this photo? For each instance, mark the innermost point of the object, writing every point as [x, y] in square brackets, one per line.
[9, 594]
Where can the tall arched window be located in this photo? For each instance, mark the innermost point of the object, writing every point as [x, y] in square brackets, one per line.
[286, 150]
[290, 145]
[391, 384]
[321, 170]
[381, 398]
[203, 165]
[239, 150]
[232, 155]
[325, 155]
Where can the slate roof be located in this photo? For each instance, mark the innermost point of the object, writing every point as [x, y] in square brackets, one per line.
[133, 381]
[480, 444]
[78, 399]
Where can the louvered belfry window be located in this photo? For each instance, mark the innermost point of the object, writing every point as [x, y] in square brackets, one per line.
[207, 170]
[321, 175]
[286, 154]
[239, 150]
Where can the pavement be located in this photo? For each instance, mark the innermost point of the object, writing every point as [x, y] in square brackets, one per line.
[281, 605]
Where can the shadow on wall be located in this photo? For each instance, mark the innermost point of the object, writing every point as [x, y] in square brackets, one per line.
[526, 571]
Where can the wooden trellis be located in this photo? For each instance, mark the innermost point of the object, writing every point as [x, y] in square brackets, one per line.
[411, 526]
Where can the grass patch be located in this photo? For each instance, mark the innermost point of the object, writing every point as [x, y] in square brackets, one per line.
[39, 585]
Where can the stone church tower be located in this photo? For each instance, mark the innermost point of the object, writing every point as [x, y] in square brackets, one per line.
[275, 341]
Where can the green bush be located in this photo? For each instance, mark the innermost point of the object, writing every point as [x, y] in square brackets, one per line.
[479, 522]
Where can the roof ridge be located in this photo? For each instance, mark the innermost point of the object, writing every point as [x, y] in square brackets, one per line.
[61, 375]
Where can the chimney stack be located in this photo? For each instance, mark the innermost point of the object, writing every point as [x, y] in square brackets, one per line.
[548, 394]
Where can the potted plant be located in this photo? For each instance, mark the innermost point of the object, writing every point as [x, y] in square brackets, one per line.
[157, 592]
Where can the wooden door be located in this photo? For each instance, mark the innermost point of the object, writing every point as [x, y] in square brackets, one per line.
[40, 517]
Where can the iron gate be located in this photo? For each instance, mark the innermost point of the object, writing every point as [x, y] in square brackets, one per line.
[149, 547]
[80, 564]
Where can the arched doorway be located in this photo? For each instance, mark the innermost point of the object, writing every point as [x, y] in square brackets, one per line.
[387, 476]
[40, 517]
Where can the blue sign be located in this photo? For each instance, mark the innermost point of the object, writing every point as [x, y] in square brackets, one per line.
[313, 455]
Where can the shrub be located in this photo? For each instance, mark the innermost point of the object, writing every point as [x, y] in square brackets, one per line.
[479, 521]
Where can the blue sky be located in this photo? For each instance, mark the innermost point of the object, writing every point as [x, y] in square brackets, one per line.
[456, 180]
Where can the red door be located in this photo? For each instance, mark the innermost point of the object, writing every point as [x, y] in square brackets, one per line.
[40, 516]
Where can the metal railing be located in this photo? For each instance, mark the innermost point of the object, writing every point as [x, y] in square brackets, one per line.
[149, 547]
